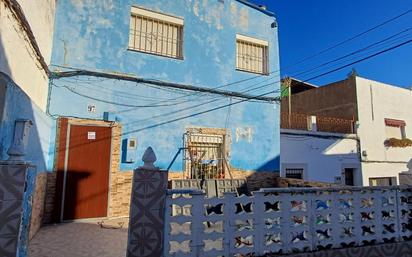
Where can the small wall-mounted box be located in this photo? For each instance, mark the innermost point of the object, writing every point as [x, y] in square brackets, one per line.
[131, 147]
[109, 116]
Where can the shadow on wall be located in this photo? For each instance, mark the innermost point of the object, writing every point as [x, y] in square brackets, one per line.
[271, 166]
[4, 68]
[16, 105]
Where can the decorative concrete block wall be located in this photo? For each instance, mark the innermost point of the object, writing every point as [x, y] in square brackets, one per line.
[12, 189]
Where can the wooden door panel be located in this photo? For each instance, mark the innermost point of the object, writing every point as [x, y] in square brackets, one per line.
[87, 173]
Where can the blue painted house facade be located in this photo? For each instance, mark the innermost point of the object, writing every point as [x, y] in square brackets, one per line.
[136, 67]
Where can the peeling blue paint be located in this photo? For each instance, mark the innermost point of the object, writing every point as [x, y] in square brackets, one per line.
[93, 35]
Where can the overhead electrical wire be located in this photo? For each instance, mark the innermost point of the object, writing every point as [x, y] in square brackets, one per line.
[302, 60]
[267, 93]
[350, 38]
[111, 102]
[261, 87]
[323, 74]
[393, 38]
[164, 84]
[321, 52]
[270, 92]
[361, 60]
[244, 91]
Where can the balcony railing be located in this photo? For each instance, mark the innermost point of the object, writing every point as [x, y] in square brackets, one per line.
[316, 123]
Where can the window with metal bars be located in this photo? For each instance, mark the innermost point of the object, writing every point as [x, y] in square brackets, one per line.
[294, 173]
[156, 33]
[205, 155]
[382, 181]
[251, 55]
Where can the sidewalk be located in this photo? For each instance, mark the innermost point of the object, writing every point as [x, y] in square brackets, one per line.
[80, 239]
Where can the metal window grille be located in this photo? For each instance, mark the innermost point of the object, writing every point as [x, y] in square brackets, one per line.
[294, 173]
[155, 36]
[204, 156]
[383, 181]
[251, 57]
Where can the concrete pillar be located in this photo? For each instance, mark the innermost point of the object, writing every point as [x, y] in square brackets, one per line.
[147, 209]
[312, 126]
[17, 179]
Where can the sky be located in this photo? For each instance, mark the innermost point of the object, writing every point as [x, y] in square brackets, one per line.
[308, 27]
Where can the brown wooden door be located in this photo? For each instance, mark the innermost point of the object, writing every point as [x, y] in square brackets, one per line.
[87, 173]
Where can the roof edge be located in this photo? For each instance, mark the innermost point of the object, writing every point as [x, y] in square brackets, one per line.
[256, 7]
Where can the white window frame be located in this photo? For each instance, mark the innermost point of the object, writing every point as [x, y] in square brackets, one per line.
[245, 41]
[389, 129]
[170, 46]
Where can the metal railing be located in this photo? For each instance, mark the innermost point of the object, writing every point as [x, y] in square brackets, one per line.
[316, 123]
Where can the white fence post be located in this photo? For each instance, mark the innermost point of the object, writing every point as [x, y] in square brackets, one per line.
[312, 123]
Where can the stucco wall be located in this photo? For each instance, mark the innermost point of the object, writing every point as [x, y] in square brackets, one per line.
[322, 155]
[93, 35]
[17, 58]
[377, 101]
[19, 106]
[39, 152]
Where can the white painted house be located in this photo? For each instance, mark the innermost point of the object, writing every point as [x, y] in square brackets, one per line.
[320, 156]
[380, 112]
[385, 111]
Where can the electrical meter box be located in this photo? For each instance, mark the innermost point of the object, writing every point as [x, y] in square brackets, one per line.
[131, 147]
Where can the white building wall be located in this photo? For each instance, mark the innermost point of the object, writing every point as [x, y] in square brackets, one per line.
[17, 58]
[322, 155]
[377, 101]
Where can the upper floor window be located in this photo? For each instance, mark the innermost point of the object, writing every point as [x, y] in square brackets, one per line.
[395, 128]
[251, 55]
[156, 33]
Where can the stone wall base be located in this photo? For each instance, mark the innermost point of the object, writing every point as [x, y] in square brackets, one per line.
[282, 182]
[49, 200]
[120, 192]
[38, 204]
[255, 180]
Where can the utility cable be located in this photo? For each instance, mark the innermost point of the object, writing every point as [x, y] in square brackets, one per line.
[270, 92]
[350, 39]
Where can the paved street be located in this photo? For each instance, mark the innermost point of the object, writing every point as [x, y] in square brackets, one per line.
[80, 240]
